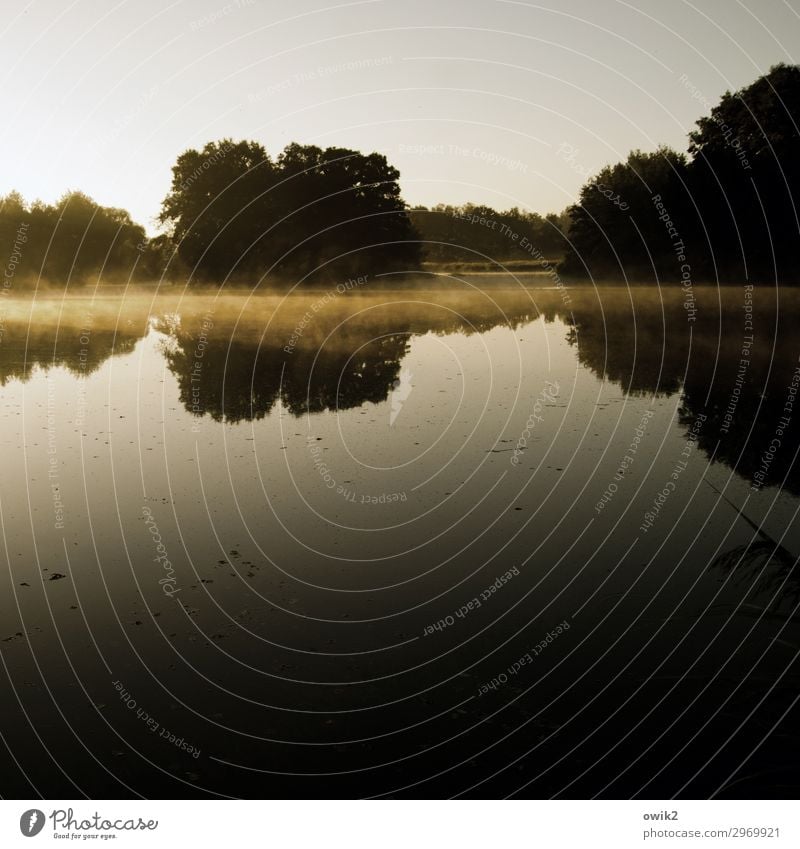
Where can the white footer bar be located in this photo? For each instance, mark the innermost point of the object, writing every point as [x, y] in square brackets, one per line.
[402, 824]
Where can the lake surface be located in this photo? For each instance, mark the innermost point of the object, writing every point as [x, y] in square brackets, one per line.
[479, 541]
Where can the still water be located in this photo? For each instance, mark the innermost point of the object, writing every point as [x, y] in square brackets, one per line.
[475, 541]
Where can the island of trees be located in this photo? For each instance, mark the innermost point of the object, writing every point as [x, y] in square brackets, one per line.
[724, 210]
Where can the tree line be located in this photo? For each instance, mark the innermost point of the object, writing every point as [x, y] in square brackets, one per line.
[477, 234]
[723, 210]
[73, 241]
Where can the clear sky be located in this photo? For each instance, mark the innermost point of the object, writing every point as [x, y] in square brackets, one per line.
[470, 99]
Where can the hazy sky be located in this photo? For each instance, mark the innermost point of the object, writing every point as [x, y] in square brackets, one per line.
[471, 99]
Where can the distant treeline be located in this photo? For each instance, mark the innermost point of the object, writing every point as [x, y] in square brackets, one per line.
[725, 210]
[470, 233]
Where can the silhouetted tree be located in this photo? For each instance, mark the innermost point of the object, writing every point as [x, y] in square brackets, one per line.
[746, 177]
[218, 205]
[232, 211]
[732, 204]
[618, 229]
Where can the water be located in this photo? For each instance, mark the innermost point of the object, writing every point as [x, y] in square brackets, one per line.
[479, 541]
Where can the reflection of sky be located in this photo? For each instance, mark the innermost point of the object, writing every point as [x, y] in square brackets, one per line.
[106, 101]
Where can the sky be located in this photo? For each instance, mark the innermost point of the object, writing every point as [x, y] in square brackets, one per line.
[502, 102]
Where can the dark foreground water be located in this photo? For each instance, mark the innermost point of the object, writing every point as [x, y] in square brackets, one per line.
[478, 542]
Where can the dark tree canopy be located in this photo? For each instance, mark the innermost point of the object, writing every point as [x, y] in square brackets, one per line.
[732, 202]
[311, 213]
[745, 171]
[218, 193]
[615, 227]
[762, 118]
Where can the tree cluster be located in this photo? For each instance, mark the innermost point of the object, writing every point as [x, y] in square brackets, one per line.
[233, 212]
[724, 211]
[72, 242]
